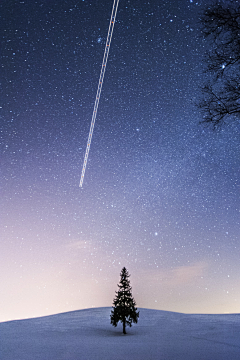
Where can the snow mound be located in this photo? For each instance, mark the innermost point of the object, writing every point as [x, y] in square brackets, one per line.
[88, 334]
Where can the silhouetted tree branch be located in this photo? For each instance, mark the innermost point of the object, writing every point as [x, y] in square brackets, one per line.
[221, 93]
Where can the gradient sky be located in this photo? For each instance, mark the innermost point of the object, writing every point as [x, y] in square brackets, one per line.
[161, 193]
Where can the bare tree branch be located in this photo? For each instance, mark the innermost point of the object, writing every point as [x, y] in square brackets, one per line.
[221, 94]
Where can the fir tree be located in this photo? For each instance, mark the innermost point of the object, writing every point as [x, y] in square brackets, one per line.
[124, 309]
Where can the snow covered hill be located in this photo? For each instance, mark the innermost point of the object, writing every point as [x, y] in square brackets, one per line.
[87, 334]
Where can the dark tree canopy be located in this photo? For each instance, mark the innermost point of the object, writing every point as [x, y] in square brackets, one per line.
[124, 309]
[221, 94]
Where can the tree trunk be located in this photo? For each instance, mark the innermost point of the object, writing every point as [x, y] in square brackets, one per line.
[124, 326]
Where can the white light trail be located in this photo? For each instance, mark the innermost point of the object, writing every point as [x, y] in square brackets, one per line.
[100, 82]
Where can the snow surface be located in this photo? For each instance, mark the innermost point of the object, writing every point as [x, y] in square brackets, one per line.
[88, 334]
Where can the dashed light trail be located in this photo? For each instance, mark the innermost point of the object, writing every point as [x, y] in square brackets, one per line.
[100, 83]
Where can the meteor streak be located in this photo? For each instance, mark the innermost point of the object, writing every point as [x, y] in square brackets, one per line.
[100, 82]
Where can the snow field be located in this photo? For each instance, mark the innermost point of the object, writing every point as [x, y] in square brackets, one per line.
[88, 334]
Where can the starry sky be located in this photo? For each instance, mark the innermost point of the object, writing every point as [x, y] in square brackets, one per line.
[161, 191]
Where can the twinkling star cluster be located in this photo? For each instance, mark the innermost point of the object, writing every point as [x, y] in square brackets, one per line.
[161, 192]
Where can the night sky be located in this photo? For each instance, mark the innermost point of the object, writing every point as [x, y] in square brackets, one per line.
[161, 193]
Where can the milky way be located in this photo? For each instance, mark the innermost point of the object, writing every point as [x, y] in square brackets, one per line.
[161, 192]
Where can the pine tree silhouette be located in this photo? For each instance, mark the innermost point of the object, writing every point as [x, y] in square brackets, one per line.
[124, 309]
